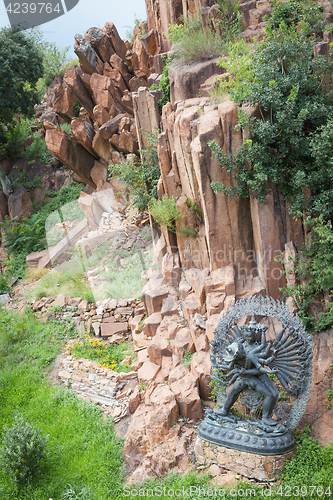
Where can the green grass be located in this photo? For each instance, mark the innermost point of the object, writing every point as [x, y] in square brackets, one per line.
[56, 282]
[82, 448]
[125, 278]
[119, 272]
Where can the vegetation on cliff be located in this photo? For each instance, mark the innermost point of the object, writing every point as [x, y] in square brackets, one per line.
[140, 176]
[290, 142]
[290, 138]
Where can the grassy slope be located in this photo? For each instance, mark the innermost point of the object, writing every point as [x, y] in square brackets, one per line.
[82, 447]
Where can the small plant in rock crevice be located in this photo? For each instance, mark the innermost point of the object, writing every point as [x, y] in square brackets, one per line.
[165, 212]
[192, 205]
[141, 175]
[187, 358]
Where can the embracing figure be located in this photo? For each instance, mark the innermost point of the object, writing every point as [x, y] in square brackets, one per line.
[244, 360]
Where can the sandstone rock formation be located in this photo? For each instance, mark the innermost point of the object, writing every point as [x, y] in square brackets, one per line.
[95, 98]
[243, 233]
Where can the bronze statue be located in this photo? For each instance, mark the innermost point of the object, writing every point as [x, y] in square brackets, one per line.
[245, 361]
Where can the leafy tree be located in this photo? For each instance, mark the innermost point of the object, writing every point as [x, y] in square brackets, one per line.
[20, 68]
[55, 59]
[21, 65]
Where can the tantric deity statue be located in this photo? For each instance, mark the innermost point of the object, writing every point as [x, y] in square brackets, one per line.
[256, 370]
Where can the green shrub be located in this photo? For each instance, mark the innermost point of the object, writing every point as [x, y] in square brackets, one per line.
[165, 212]
[17, 132]
[141, 176]
[164, 84]
[23, 450]
[4, 283]
[293, 12]
[229, 7]
[29, 234]
[66, 127]
[191, 44]
[38, 149]
[291, 141]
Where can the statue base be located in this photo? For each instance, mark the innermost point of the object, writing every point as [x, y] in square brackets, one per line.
[244, 435]
[262, 468]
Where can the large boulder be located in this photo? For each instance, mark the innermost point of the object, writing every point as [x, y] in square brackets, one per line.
[19, 203]
[70, 152]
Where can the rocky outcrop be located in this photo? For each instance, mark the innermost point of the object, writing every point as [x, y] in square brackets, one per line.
[70, 152]
[19, 204]
[96, 99]
[186, 82]
[318, 414]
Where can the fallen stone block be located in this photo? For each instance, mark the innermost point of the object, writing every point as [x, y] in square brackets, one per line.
[150, 324]
[33, 259]
[182, 343]
[153, 297]
[67, 242]
[109, 329]
[187, 397]
[192, 305]
[159, 347]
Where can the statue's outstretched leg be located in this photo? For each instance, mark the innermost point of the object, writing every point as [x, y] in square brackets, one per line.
[232, 397]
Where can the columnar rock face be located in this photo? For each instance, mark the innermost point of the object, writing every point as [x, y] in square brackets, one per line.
[215, 230]
[162, 13]
[96, 99]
